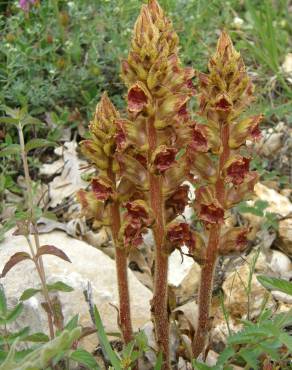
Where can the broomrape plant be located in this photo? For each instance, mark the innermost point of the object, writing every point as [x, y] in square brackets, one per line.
[144, 159]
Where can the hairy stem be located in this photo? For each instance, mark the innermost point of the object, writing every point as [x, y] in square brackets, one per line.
[160, 294]
[38, 263]
[205, 291]
[122, 272]
[207, 273]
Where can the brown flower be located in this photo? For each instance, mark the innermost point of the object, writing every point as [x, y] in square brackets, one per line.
[120, 136]
[237, 170]
[137, 98]
[212, 213]
[179, 233]
[133, 232]
[208, 207]
[223, 103]
[138, 209]
[164, 158]
[179, 199]
[199, 140]
[101, 188]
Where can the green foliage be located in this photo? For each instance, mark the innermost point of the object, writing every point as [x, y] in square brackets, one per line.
[40, 357]
[267, 338]
[259, 209]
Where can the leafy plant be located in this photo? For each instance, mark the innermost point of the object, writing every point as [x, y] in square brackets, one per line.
[265, 342]
[259, 209]
[26, 220]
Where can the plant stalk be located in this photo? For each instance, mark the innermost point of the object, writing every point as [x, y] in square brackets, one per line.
[160, 294]
[122, 272]
[38, 263]
[207, 273]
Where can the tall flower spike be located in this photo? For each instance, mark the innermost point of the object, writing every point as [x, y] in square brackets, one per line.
[215, 157]
[159, 89]
[104, 199]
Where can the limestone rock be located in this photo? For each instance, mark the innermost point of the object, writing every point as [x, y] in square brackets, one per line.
[270, 143]
[179, 267]
[278, 203]
[284, 241]
[235, 294]
[279, 263]
[88, 265]
[190, 284]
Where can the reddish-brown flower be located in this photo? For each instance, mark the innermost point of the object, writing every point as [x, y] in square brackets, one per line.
[179, 233]
[101, 188]
[120, 136]
[223, 103]
[183, 114]
[137, 99]
[255, 131]
[179, 199]
[164, 158]
[138, 209]
[133, 232]
[199, 141]
[237, 170]
[211, 213]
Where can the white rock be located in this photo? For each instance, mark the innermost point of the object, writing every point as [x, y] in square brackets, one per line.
[270, 143]
[279, 263]
[178, 268]
[70, 180]
[278, 203]
[190, 284]
[88, 265]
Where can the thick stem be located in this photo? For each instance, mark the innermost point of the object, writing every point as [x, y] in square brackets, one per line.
[122, 272]
[160, 294]
[207, 273]
[205, 291]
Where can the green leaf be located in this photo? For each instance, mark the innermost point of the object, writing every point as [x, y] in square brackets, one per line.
[85, 358]
[72, 323]
[261, 204]
[37, 338]
[104, 341]
[10, 150]
[200, 366]
[3, 302]
[9, 120]
[59, 286]
[14, 313]
[275, 284]
[29, 120]
[28, 293]
[38, 143]
[13, 336]
[158, 364]
[250, 357]
[287, 340]
[225, 356]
